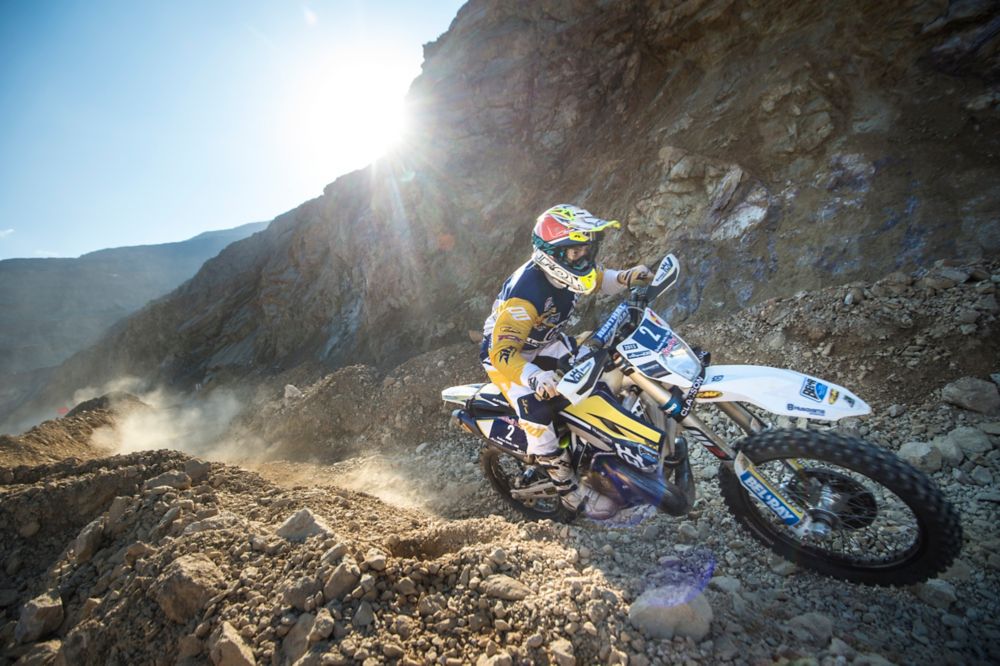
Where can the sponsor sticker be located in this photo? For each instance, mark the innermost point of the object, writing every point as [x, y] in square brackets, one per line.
[808, 410]
[780, 509]
[709, 394]
[833, 396]
[577, 375]
[668, 346]
[690, 397]
[813, 390]
[716, 378]
[849, 400]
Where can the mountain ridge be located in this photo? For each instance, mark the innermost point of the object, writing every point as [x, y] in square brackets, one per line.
[51, 308]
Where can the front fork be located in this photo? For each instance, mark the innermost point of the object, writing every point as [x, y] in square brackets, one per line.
[751, 478]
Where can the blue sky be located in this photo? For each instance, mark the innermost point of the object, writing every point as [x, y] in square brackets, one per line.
[135, 122]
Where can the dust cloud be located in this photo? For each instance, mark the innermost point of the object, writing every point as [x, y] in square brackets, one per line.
[196, 424]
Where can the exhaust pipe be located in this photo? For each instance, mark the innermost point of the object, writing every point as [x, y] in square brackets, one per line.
[670, 498]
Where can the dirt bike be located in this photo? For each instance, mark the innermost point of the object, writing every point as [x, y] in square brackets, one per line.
[824, 500]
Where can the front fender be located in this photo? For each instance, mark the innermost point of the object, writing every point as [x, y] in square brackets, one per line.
[779, 391]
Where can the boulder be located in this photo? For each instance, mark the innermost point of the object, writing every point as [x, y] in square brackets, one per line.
[813, 628]
[726, 584]
[88, 541]
[562, 652]
[972, 441]
[40, 654]
[222, 521]
[334, 554]
[226, 648]
[951, 452]
[186, 585]
[937, 593]
[116, 522]
[376, 559]
[39, 617]
[504, 587]
[302, 525]
[921, 455]
[322, 626]
[665, 612]
[296, 641]
[173, 479]
[197, 469]
[343, 579]
[364, 616]
[977, 395]
[298, 592]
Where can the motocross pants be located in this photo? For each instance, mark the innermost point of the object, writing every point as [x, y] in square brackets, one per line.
[536, 417]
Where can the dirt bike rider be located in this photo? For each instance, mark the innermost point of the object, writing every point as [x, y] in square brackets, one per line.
[523, 339]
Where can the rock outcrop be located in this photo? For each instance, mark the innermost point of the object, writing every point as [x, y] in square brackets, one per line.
[775, 148]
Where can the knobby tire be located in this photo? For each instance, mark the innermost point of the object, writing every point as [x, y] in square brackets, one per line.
[939, 532]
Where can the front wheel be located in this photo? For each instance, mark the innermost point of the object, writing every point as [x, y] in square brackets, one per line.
[888, 523]
[508, 475]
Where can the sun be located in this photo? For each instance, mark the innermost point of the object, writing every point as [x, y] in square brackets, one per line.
[346, 113]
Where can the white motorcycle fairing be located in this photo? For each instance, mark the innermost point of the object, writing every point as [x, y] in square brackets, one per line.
[779, 391]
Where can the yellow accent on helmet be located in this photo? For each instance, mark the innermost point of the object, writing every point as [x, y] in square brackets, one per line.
[588, 282]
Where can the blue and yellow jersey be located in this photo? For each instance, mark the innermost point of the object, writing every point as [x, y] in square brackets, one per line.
[527, 315]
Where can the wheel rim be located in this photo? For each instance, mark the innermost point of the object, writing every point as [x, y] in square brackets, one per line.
[872, 527]
[854, 508]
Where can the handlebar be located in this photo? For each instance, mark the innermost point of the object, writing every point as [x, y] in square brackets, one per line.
[631, 309]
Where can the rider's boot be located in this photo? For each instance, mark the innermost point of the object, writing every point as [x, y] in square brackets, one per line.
[574, 496]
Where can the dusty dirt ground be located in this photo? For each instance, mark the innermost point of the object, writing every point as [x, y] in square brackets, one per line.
[405, 554]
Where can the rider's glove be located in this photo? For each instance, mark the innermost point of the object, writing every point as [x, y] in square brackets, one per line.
[543, 383]
[635, 275]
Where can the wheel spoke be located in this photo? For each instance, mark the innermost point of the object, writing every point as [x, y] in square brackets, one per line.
[868, 522]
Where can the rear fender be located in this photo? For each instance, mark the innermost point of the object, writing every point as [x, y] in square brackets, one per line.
[460, 395]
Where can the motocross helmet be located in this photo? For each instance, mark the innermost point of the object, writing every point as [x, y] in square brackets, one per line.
[563, 227]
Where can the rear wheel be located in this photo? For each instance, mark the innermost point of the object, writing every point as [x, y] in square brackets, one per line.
[506, 474]
[887, 523]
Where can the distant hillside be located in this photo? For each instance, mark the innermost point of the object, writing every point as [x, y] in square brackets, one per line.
[52, 308]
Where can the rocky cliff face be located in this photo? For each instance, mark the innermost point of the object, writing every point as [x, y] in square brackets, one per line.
[775, 147]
